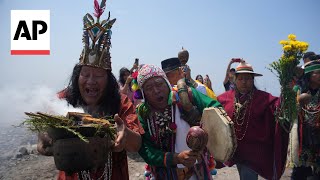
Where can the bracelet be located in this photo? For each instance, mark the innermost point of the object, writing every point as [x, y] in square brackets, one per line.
[182, 90]
[194, 84]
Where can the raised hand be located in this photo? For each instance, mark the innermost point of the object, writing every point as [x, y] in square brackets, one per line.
[121, 139]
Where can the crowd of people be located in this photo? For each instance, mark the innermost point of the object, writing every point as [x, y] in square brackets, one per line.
[154, 108]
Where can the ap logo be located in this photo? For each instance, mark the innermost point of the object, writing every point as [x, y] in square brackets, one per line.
[30, 32]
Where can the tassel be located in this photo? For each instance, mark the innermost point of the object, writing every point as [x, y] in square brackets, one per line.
[147, 171]
[135, 87]
[212, 166]
[213, 172]
[137, 94]
[134, 75]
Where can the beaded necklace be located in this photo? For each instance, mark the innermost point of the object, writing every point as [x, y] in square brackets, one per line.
[107, 171]
[239, 115]
[162, 128]
[312, 110]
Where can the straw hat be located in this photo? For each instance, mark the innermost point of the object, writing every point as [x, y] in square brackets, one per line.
[244, 67]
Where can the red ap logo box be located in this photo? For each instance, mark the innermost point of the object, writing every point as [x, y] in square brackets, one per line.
[30, 32]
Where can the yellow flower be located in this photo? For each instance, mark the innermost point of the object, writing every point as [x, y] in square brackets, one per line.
[303, 46]
[292, 37]
[287, 48]
[291, 58]
[294, 44]
[283, 42]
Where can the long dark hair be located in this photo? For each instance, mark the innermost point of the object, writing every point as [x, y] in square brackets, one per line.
[110, 101]
[121, 75]
[198, 76]
[306, 82]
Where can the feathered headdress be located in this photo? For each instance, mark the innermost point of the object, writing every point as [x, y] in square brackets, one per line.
[97, 38]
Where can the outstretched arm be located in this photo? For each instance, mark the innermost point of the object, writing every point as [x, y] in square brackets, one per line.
[226, 78]
[126, 85]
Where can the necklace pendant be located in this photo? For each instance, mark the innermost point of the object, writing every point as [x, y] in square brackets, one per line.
[238, 105]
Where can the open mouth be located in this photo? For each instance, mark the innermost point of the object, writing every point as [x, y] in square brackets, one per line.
[92, 91]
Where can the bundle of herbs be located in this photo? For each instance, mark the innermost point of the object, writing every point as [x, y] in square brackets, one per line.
[72, 123]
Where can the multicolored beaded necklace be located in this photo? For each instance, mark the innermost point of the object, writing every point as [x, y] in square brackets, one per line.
[310, 115]
[312, 110]
[107, 171]
[162, 128]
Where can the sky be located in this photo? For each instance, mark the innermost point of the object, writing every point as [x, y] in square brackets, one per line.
[213, 31]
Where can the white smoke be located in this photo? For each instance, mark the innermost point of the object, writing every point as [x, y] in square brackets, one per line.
[15, 101]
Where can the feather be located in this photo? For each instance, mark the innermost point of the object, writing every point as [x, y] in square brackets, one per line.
[90, 18]
[86, 22]
[103, 22]
[98, 10]
[108, 16]
[110, 23]
[103, 4]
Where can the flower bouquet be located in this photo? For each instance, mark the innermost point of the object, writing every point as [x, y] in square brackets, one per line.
[284, 69]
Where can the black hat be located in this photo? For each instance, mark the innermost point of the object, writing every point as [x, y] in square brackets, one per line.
[314, 57]
[170, 64]
[308, 54]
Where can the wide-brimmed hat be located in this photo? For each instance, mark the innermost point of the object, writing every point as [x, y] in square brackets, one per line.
[170, 64]
[312, 66]
[244, 67]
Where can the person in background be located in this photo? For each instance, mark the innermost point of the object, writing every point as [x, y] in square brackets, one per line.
[299, 81]
[125, 82]
[206, 81]
[229, 79]
[306, 57]
[199, 78]
[174, 72]
[307, 163]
